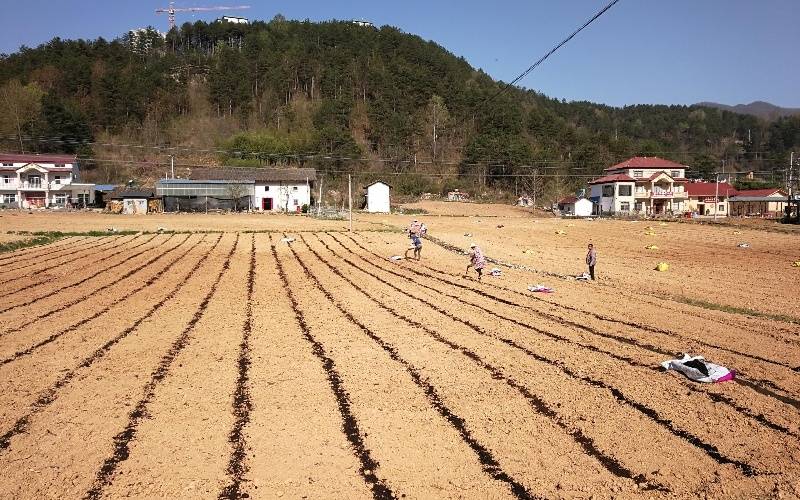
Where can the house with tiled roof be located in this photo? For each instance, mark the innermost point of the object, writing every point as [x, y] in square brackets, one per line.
[758, 203]
[709, 198]
[646, 185]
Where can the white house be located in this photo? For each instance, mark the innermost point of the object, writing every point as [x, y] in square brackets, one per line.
[42, 181]
[378, 197]
[266, 189]
[645, 185]
[579, 207]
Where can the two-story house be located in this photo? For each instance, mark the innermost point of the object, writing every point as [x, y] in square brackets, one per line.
[40, 181]
[643, 184]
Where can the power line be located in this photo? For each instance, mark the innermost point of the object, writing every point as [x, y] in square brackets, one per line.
[553, 50]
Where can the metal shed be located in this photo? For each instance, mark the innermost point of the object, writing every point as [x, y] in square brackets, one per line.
[190, 195]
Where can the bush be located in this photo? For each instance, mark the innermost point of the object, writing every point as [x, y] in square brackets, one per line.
[304, 208]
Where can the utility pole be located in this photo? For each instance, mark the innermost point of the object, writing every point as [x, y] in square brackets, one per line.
[434, 130]
[350, 199]
[716, 191]
[319, 200]
[534, 188]
[172, 165]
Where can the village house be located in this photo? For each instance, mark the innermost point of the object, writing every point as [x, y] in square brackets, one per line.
[260, 189]
[758, 203]
[644, 185]
[42, 181]
[709, 198]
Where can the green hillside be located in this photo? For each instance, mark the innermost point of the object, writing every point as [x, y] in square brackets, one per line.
[340, 97]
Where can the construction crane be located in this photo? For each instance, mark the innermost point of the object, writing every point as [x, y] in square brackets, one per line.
[171, 10]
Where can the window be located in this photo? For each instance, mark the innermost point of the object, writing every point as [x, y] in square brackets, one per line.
[9, 198]
[625, 190]
[608, 191]
[266, 188]
[83, 199]
[35, 180]
[296, 202]
[8, 164]
[638, 173]
[61, 198]
[57, 179]
[625, 206]
[59, 165]
[6, 179]
[294, 188]
[722, 208]
[675, 173]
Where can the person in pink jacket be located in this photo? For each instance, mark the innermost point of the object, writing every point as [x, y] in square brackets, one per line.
[476, 260]
[591, 260]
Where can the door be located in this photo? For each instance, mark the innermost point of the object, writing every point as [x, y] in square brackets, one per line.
[266, 203]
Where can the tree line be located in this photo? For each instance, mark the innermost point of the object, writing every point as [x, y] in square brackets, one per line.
[291, 91]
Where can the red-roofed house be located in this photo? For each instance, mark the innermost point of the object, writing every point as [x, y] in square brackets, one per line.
[31, 181]
[706, 198]
[642, 184]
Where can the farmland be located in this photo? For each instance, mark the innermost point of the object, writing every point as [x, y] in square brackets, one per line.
[224, 364]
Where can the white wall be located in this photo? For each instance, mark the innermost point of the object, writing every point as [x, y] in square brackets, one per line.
[583, 207]
[297, 194]
[378, 199]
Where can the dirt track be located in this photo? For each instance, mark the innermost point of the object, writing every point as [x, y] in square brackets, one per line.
[224, 364]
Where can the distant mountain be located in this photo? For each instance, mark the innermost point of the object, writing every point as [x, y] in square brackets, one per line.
[760, 109]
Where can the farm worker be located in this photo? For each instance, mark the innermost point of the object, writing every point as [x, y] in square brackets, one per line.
[476, 260]
[591, 260]
[414, 232]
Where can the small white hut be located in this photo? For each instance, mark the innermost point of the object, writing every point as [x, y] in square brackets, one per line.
[378, 197]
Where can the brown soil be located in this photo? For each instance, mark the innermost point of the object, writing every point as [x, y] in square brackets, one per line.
[235, 364]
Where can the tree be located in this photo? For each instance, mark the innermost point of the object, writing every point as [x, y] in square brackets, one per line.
[22, 105]
[236, 191]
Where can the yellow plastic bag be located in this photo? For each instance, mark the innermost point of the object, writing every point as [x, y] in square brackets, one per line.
[560, 232]
[649, 233]
[796, 264]
[651, 247]
[662, 267]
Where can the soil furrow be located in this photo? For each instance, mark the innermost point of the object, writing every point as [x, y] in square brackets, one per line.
[626, 340]
[490, 463]
[299, 457]
[538, 404]
[24, 254]
[140, 412]
[91, 276]
[716, 398]
[242, 404]
[48, 396]
[95, 292]
[648, 412]
[606, 318]
[69, 255]
[656, 300]
[350, 425]
[71, 328]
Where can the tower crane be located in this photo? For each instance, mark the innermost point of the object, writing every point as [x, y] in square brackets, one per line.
[171, 10]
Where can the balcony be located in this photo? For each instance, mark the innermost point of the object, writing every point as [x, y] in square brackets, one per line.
[32, 186]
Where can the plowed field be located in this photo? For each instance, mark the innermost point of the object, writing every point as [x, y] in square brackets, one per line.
[235, 365]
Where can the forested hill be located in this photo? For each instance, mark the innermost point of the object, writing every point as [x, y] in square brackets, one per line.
[296, 91]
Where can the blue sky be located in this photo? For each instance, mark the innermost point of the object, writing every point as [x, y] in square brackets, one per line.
[641, 51]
